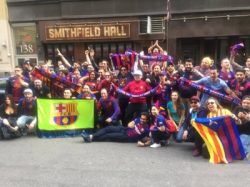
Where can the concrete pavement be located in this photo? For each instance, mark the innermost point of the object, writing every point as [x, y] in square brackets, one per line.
[30, 161]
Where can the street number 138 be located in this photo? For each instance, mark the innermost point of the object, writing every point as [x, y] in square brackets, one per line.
[26, 48]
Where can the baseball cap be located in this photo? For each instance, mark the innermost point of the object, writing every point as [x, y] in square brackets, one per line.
[195, 98]
[137, 72]
[28, 90]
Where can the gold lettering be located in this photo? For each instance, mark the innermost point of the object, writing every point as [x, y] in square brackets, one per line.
[118, 33]
[67, 34]
[51, 33]
[59, 33]
[84, 31]
[97, 31]
[73, 32]
[87, 32]
[123, 33]
[91, 32]
[106, 31]
[78, 31]
[112, 31]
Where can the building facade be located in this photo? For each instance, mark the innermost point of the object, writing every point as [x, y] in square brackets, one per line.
[195, 28]
[6, 54]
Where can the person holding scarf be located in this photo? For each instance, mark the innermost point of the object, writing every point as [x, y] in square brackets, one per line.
[136, 104]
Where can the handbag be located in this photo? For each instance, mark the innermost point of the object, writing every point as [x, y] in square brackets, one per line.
[172, 127]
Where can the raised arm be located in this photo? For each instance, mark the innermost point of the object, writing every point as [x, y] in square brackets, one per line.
[64, 60]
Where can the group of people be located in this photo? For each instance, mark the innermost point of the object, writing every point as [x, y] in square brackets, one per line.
[146, 103]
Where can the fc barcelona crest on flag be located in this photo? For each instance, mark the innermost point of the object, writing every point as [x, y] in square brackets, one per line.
[65, 113]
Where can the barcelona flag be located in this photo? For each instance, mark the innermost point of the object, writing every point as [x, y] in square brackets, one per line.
[64, 117]
[221, 137]
[126, 60]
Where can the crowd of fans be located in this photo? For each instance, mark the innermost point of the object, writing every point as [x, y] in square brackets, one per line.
[148, 119]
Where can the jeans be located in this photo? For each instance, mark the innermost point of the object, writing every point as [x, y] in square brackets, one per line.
[111, 133]
[22, 121]
[179, 135]
[190, 136]
[245, 139]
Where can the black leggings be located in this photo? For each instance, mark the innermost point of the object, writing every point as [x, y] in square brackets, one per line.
[157, 136]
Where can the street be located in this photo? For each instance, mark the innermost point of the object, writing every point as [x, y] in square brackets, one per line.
[30, 161]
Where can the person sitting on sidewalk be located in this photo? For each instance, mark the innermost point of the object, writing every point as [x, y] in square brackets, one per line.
[27, 112]
[8, 117]
[137, 131]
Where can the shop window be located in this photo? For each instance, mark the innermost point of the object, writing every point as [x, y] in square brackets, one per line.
[105, 48]
[66, 49]
[102, 50]
[121, 48]
[113, 48]
[25, 39]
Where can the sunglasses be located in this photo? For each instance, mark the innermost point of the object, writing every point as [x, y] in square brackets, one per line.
[210, 103]
[194, 102]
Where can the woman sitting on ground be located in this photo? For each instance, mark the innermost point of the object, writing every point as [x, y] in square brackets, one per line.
[8, 117]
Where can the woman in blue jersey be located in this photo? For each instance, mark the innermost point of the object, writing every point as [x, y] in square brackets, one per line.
[158, 129]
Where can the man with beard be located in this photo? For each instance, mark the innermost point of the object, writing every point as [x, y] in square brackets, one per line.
[189, 73]
[16, 84]
[27, 111]
[40, 90]
[124, 77]
[240, 85]
[243, 113]
[215, 83]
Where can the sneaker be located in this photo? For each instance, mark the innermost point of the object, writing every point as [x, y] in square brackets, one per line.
[155, 145]
[196, 153]
[85, 136]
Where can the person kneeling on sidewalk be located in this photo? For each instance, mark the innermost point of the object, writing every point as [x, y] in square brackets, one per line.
[158, 129]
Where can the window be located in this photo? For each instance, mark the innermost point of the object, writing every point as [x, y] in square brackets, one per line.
[66, 49]
[151, 25]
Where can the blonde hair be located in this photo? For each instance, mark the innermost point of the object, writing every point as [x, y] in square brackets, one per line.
[208, 59]
[216, 102]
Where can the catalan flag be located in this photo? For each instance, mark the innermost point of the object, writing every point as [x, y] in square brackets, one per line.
[221, 137]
